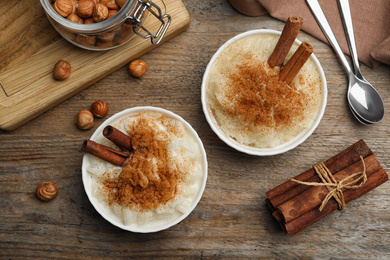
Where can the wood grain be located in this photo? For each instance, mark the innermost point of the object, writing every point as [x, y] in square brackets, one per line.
[27, 86]
[231, 220]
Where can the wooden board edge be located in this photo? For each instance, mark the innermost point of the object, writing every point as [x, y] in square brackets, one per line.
[34, 111]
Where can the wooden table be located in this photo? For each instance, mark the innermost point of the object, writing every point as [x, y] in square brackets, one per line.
[231, 219]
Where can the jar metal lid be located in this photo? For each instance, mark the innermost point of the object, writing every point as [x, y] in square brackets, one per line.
[132, 10]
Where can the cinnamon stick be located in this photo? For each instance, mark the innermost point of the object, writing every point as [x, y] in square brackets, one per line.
[286, 40]
[295, 63]
[290, 189]
[104, 152]
[304, 206]
[313, 197]
[122, 140]
[278, 217]
[269, 204]
[373, 180]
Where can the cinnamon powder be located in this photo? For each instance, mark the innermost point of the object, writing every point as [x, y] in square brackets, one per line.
[148, 179]
[258, 96]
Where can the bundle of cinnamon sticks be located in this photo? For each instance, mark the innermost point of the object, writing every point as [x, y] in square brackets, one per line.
[109, 154]
[296, 206]
[285, 42]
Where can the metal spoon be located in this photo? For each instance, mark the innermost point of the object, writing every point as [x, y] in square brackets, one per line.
[348, 28]
[364, 100]
[361, 120]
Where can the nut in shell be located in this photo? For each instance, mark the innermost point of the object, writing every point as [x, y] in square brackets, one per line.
[120, 3]
[86, 40]
[84, 8]
[62, 70]
[47, 191]
[111, 13]
[85, 120]
[63, 7]
[111, 4]
[75, 18]
[88, 21]
[99, 108]
[100, 13]
[137, 68]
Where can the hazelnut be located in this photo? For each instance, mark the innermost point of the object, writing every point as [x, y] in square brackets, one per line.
[111, 4]
[85, 40]
[137, 68]
[111, 13]
[63, 7]
[84, 120]
[75, 18]
[103, 44]
[120, 40]
[62, 70]
[74, 3]
[126, 30]
[100, 13]
[107, 36]
[47, 191]
[99, 108]
[85, 7]
[120, 3]
[88, 21]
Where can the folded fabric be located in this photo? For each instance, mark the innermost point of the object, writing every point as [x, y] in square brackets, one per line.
[370, 19]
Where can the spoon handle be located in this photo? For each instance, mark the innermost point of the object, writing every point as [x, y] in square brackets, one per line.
[327, 30]
[348, 28]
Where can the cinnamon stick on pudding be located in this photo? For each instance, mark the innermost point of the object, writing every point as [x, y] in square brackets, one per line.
[104, 152]
[122, 140]
[109, 154]
[295, 63]
[286, 40]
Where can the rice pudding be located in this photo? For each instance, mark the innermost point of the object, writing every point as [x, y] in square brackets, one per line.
[248, 102]
[160, 183]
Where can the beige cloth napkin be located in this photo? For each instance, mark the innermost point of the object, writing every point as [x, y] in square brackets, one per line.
[371, 23]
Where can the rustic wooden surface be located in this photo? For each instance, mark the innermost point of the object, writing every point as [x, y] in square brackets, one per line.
[27, 87]
[231, 219]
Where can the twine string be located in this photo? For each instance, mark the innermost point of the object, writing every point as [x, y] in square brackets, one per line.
[334, 186]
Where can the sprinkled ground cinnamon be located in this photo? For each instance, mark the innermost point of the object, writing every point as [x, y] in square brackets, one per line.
[258, 97]
[248, 102]
[148, 179]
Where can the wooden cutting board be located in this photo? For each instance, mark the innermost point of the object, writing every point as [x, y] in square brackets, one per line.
[29, 48]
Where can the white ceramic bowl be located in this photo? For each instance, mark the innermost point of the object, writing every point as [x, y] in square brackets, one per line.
[102, 209]
[253, 150]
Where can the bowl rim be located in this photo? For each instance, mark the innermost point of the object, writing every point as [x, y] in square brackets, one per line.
[86, 177]
[293, 143]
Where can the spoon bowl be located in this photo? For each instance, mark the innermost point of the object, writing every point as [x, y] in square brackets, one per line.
[362, 121]
[365, 101]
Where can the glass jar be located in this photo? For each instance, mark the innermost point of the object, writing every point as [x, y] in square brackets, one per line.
[112, 32]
